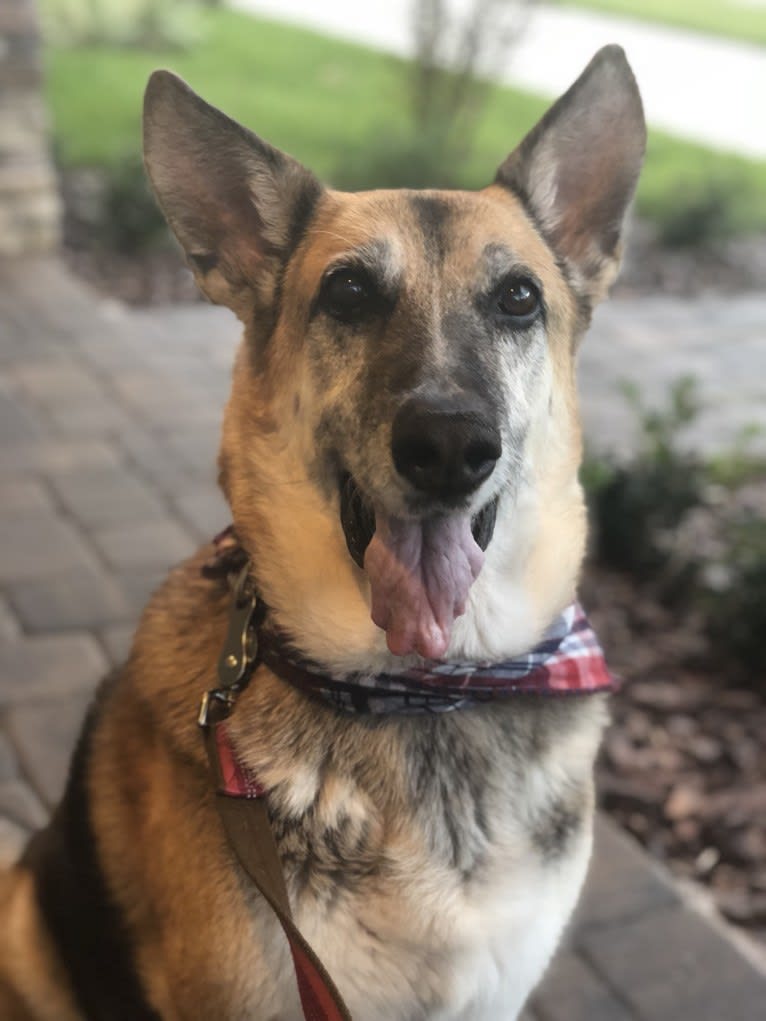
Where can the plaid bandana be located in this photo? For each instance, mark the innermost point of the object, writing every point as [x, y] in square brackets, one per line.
[567, 661]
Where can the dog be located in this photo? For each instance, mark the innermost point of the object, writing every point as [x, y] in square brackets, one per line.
[400, 453]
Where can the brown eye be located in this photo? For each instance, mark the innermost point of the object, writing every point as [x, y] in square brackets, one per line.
[346, 295]
[520, 299]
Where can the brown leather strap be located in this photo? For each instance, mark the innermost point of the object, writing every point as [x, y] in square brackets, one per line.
[246, 824]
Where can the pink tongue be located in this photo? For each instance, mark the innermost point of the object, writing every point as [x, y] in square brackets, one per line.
[420, 574]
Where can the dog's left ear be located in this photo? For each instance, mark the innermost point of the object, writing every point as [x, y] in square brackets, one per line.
[576, 171]
[234, 202]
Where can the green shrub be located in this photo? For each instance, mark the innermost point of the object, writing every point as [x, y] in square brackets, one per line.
[634, 505]
[397, 157]
[734, 596]
[112, 209]
[690, 533]
[130, 219]
[700, 214]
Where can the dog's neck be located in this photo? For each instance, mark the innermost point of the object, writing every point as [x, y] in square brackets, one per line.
[321, 599]
[568, 660]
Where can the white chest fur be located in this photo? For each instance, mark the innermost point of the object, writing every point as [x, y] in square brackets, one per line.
[460, 916]
[469, 956]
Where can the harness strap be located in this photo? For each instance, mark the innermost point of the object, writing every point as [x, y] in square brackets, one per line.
[243, 810]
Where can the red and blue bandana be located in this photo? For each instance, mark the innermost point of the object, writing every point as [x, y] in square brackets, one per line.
[568, 661]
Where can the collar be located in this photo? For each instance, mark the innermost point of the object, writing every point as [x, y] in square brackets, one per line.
[567, 661]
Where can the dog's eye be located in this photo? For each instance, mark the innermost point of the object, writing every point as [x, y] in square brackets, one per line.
[346, 295]
[520, 299]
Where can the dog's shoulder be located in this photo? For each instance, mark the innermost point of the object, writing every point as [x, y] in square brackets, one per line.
[70, 883]
[61, 869]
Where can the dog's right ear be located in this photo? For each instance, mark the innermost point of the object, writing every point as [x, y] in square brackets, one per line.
[234, 202]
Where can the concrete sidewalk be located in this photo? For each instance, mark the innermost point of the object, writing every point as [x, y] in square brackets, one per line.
[109, 422]
[697, 87]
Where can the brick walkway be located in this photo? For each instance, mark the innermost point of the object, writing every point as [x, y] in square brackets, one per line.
[109, 423]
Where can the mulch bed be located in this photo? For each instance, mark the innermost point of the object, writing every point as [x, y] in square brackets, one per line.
[683, 765]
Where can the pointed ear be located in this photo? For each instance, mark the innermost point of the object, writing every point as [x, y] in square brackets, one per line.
[576, 171]
[235, 203]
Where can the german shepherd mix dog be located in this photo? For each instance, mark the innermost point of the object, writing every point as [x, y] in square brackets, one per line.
[400, 452]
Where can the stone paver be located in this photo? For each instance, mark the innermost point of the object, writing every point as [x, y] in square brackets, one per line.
[138, 585]
[82, 597]
[24, 495]
[8, 765]
[117, 640]
[9, 624]
[157, 543]
[107, 496]
[151, 457]
[28, 457]
[49, 664]
[36, 544]
[609, 899]
[655, 343]
[203, 507]
[669, 979]
[43, 733]
[16, 421]
[20, 804]
[573, 992]
[90, 520]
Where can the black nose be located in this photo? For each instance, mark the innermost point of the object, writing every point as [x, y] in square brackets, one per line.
[444, 447]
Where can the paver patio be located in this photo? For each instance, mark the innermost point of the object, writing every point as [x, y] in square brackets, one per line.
[109, 421]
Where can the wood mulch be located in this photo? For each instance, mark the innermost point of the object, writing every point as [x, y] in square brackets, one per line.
[683, 765]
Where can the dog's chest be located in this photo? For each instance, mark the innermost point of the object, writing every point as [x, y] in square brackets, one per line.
[451, 907]
[438, 946]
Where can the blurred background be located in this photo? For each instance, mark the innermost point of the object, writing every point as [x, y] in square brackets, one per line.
[108, 442]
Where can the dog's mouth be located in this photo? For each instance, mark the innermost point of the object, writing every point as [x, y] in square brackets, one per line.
[420, 571]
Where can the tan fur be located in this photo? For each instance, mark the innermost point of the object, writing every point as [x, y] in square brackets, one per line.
[33, 985]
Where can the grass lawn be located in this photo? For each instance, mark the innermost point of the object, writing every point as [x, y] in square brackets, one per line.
[323, 101]
[729, 18]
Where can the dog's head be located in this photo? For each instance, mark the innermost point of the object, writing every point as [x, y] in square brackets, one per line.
[402, 438]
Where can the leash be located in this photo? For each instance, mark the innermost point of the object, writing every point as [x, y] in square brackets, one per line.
[568, 661]
[241, 803]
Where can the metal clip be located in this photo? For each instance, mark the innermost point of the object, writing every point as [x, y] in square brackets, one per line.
[241, 646]
[216, 706]
[238, 653]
